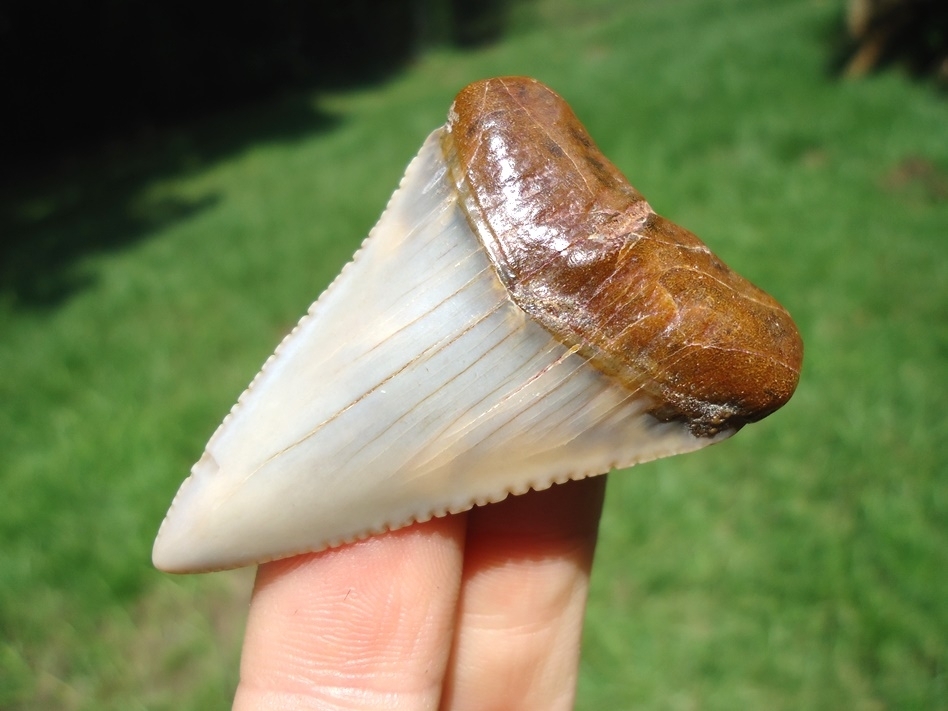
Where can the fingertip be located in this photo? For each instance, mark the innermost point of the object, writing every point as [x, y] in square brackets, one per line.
[371, 618]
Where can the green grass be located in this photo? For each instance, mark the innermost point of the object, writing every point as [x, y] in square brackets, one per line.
[802, 565]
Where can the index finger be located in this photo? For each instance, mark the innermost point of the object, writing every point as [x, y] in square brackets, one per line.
[367, 625]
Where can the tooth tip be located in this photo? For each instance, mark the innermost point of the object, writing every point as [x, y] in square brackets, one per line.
[176, 548]
[167, 556]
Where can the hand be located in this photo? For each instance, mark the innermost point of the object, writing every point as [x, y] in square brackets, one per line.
[481, 610]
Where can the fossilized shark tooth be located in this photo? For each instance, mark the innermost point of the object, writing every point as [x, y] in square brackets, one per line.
[518, 317]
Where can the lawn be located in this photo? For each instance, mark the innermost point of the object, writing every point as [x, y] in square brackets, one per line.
[801, 565]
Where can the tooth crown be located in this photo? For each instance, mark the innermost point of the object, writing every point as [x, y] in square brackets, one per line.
[581, 251]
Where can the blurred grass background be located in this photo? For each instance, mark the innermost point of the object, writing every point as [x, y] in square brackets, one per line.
[801, 565]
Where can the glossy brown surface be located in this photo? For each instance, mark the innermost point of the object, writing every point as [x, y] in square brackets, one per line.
[581, 251]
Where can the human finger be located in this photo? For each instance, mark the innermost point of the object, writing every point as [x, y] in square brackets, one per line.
[523, 597]
[366, 626]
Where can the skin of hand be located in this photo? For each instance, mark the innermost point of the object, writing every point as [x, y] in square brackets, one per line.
[481, 610]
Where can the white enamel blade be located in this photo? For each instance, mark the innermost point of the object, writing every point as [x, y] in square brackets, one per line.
[413, 388]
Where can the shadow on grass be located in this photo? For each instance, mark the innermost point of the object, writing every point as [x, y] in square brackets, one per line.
[912, 34]
[91, 202]
[90, 73]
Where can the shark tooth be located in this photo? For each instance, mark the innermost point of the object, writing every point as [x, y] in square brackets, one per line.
[518, 317]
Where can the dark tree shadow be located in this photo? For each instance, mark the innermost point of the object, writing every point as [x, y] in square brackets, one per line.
[876, 34]
[90, 202]
[76, 76]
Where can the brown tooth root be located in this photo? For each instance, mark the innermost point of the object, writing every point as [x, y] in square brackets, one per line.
[581, 251]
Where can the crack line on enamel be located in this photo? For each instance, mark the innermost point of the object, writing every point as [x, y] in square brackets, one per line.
[511, 416]
[444, 384]
[434, 348]
[472, 423]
